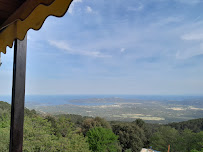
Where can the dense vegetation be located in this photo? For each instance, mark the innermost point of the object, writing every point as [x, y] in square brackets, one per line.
[196, 125]
[43, 134]
[74, 133]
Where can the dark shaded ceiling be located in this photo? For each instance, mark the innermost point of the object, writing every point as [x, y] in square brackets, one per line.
[8, 7]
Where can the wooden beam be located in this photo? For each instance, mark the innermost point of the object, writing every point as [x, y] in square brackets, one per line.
[0, 59]
[18, 96]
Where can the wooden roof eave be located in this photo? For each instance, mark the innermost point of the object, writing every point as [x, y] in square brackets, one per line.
[30, 15]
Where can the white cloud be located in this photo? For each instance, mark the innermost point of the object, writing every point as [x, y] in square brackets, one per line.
[65, 46]
[89, 9]
[123, 50]
[188, 53]
[189, 2]
[139, 7]
[60, 44]
[168, 20]
[192, 36]
[71, 8]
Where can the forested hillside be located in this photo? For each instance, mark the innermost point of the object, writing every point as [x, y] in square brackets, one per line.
[41, 134]
[196, 125]
[74, 133]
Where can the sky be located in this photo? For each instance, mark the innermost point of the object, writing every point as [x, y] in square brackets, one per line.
[115, 47]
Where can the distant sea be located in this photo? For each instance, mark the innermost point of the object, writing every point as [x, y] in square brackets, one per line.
[68, 99]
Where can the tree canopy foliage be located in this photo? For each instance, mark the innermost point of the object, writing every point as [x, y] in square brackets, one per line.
[196, 125]
[102, 140]
[41, 134]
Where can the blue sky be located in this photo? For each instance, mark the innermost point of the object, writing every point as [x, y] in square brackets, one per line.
[115, 47]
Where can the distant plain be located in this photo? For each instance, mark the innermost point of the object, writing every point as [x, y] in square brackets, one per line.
[150, 108]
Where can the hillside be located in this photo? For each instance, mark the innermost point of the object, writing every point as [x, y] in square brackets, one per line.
[196, 125]
[75, 133]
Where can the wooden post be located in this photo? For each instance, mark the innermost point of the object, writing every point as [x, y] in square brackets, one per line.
[0, 59]
[18, 96]
[169, 148]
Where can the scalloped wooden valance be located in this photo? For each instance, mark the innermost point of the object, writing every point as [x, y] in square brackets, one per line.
[18, 16]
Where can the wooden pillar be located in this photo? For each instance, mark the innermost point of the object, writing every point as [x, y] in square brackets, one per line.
[18, 96]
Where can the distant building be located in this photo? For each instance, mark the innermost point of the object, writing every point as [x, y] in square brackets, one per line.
[148, 150]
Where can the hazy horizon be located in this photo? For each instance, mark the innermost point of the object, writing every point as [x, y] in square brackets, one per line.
[108, 94]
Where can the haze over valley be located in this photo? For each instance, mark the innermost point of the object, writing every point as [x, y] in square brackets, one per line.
[154, 109]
